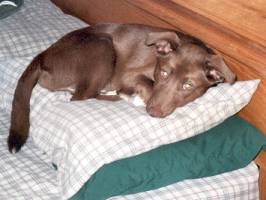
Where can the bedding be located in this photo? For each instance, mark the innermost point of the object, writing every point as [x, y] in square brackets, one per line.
[29, 175]
[80, 137]
[226, 147]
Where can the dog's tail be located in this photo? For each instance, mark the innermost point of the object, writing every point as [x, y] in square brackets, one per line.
[19, 127]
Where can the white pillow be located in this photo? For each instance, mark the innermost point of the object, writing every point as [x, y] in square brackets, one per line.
[33, 28]
[82, 136]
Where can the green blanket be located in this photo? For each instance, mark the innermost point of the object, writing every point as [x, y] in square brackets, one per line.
[228, 146]
[8, 7]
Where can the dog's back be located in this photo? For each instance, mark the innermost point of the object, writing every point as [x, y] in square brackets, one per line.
[81, 62]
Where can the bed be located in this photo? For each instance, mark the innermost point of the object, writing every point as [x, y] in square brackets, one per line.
[56, 162]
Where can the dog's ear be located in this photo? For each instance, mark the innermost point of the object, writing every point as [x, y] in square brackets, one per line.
[217, 71]
[164, 42]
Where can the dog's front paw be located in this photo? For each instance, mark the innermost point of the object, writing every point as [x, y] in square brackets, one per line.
[15, 141]
[138, 101]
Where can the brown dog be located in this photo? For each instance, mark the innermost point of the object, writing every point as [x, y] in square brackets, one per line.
[167, 69]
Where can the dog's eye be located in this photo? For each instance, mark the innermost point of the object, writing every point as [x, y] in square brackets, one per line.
[187, 85]
[164, 74]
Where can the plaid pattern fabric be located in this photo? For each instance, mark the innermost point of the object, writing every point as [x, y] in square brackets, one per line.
[28, 175]
[33, 28]
[79, 137]
[82, 136]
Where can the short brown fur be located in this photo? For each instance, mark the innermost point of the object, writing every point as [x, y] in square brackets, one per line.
[167, 69]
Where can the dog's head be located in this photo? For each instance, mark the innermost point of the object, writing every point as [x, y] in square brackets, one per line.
[184, 71]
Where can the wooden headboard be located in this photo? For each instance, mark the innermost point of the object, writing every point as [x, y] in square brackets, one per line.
[236, 29]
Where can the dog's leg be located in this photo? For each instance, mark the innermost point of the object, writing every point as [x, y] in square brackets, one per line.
[108, 94]
[144, 88]
[108, 97]
[90, 87]
[84, 91]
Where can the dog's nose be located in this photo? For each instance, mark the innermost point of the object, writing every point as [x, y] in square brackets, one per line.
[155, 111]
